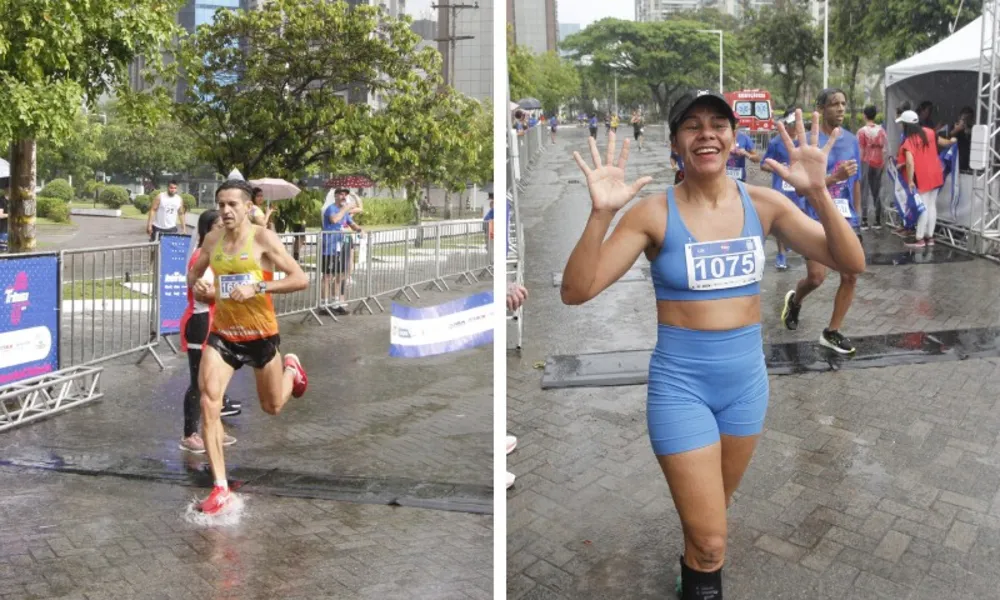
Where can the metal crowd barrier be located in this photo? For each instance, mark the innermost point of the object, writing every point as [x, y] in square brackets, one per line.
[108, 300]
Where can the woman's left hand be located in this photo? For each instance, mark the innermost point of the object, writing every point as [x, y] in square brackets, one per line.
[807, 161]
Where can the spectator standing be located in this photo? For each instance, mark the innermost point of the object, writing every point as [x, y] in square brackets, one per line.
[873, 142]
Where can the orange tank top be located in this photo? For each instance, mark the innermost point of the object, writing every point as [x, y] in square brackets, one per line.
[252, 319]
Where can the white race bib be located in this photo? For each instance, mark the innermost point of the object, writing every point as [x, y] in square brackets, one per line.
[844, 207]
[724, 264]
[227, 283]
[787, 187]
[735, 173]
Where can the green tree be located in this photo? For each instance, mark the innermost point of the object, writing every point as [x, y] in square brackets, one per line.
[147, 152]
[76, 154]
[847, 18]
[784, 36]
[520, 68]
[268, 87]
[555, 80]
[665, 56]
[429, 137]
[902, 28]
[53, 54]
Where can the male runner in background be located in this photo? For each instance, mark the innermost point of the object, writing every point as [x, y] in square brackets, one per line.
[243, 257]
[776, 150]
[844, 184]
[165, 214]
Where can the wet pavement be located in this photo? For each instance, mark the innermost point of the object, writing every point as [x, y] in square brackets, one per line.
[867, 483]
[376, 484]
[75, 537]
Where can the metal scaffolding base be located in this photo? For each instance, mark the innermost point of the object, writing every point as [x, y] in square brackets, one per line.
[39, 397]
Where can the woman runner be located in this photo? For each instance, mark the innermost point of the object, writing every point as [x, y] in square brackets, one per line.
[708, 386]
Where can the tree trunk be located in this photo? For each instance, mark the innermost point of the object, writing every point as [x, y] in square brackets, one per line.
[854, 84]
[23, 170]
[447, 204]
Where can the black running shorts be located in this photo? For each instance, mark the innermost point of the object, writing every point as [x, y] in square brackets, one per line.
[256, 353]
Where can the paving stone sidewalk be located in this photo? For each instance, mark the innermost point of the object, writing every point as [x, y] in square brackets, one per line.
[83, 538]
[875, 483]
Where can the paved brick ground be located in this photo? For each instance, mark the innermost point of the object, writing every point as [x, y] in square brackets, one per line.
[876, 483]
[75, 537]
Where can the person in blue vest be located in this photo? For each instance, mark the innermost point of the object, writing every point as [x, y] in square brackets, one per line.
[593, 126]
[744, 148]
[776, 151]
[844, 185]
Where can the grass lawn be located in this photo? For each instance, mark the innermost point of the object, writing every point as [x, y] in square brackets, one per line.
[104, 289]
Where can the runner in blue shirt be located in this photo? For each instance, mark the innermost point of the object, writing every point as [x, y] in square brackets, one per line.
[736, 166]
[844, 184]
[677, 163]
[776, 151]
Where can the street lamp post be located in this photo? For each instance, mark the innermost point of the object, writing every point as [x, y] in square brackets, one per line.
[720, 33]
[826, 43]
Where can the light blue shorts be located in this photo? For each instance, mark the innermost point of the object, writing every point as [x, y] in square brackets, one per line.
[703, 384]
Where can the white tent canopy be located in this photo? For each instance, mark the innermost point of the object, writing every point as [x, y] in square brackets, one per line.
[947, 75]
[4, 169]
[959, 52]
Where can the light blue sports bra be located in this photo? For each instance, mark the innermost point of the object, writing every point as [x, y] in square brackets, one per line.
[686, 269]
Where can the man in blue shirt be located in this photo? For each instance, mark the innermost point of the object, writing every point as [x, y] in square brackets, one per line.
[336, 249]
[776, 151]
[736, 166]
[677, 163]
[844, 185]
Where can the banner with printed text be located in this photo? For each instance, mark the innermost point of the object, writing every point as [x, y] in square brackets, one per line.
[457, 325]
[173, 281]
[29, 317]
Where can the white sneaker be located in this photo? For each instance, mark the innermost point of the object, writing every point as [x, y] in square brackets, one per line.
[510, 480]
[511, 443]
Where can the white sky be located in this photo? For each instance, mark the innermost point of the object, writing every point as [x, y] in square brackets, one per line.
[583, 12]
[586, 12]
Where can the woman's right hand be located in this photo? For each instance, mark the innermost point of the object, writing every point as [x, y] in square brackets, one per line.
[608, 190]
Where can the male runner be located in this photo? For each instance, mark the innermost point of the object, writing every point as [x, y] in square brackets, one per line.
[736, 166]
[637, 126]
[776, 150]
[243, 257]
[844, 185]
[165, 214]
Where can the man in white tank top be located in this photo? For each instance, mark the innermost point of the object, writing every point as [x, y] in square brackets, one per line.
[165, 213]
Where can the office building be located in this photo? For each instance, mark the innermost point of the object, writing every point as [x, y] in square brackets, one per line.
[473, 58]
[536, 24]
[658, 10]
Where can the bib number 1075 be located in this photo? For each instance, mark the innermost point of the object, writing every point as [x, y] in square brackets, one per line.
[718, 267]
[724, 264]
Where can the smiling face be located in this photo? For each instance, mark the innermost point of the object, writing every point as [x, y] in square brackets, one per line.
[233, 205]
[704, 139]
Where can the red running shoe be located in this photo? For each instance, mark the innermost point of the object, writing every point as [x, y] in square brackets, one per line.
[301, 381]
[216, 501]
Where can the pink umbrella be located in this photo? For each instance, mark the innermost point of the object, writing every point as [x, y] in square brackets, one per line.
[276, 189]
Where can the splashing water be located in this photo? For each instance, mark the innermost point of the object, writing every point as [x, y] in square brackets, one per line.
[230, 516]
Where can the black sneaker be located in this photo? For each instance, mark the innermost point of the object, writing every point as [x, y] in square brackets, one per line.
[228, 410]
[790, 312]
[227, 401]
[835, 341]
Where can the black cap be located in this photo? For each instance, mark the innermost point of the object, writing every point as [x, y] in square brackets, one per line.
[683, 106]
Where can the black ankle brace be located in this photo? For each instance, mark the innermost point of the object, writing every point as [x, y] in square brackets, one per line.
[696, 585]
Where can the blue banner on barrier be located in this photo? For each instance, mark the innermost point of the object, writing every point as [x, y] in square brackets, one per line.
[173, 281]
[29, 317]
[449, 327]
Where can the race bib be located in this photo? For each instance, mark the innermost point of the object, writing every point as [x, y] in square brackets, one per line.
[227, 283]
[724, 264]
[735, 173]
[787, 187]
[844, 206]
